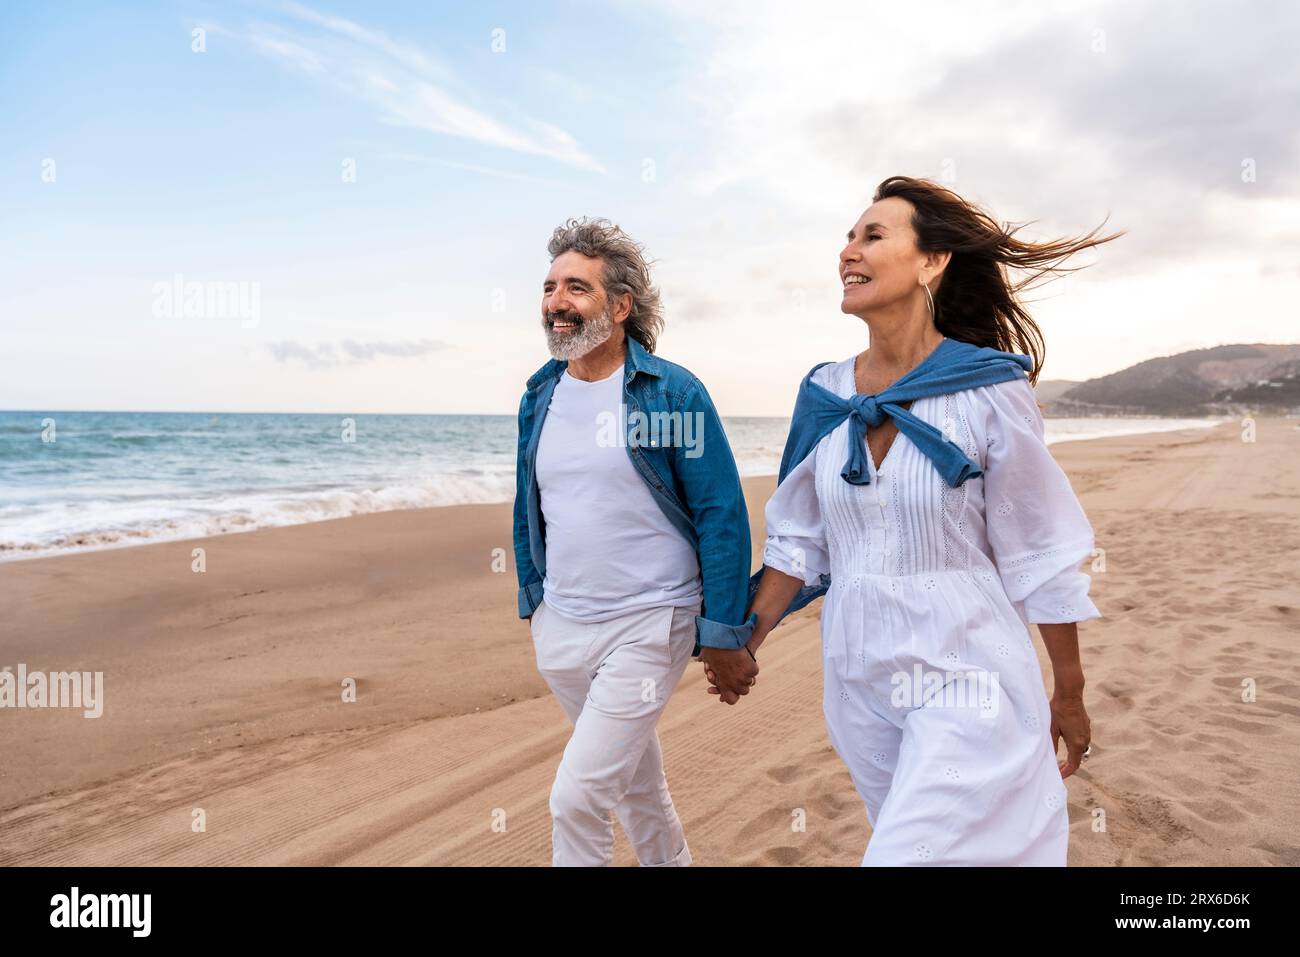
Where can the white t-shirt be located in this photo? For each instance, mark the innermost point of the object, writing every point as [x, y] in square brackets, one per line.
[609, 547]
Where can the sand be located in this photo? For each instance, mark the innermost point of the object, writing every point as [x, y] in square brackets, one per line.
[224, 691]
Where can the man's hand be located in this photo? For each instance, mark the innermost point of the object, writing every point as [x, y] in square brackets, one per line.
[731, 672]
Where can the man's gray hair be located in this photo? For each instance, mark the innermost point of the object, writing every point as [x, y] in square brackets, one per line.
[624, 270]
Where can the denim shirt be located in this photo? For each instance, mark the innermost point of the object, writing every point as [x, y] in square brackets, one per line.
[689, 470]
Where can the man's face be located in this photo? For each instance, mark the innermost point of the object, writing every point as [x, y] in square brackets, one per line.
[575, 311]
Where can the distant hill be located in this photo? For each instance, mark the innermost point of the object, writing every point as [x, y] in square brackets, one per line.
[1049, 390]
[1219, 380]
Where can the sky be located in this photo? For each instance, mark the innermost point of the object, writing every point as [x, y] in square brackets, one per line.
[362, 192]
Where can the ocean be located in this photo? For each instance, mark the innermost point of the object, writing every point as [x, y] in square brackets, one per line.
[73, 481]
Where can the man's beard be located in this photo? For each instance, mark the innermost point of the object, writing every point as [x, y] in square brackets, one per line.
[578, 342]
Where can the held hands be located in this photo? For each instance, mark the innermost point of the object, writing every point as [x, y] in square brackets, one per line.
[730, 673]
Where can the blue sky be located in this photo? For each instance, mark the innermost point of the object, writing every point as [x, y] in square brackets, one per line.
[737, 142]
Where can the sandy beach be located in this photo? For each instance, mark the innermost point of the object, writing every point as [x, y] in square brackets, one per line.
[224, 690]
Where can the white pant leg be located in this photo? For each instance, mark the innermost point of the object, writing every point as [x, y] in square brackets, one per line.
[647, 813]
[866, 740]
[974, 790]
[613, 679]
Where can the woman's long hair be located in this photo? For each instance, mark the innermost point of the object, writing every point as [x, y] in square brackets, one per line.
[976, 301]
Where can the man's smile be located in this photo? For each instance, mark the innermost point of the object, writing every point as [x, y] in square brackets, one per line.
[564, 324]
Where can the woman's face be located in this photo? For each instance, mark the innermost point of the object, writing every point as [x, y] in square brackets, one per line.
[880, 263]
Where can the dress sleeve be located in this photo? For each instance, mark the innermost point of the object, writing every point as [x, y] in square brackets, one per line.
[796, 538]
[1036, 527]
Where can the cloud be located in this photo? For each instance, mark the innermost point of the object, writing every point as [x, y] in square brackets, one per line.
[414, 60]
[474, 168]
[289, 52]
[350, 352]
[407, 86]
[1057, 113]
[696, 308]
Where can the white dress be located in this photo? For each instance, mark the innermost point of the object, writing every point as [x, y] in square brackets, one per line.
[933, 693]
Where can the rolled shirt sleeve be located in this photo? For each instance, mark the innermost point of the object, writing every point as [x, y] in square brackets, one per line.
[1037, 529]
[796, 539]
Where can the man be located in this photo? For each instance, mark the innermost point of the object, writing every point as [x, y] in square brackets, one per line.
[631, 543]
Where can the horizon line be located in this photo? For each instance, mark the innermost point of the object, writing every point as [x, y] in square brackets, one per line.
[264, 412]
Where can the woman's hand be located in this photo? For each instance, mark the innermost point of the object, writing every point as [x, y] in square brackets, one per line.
[1070, 721]
[712, 678]
[739, 670]
[1069, 717]
[775, 592]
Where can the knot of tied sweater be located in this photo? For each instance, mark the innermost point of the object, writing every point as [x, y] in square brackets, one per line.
[865, 411]
[868, 410]
[952, 366]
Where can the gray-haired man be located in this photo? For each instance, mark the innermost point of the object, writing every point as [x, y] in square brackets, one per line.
[631, 543]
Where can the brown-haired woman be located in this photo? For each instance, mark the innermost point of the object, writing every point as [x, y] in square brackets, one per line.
[938, 544]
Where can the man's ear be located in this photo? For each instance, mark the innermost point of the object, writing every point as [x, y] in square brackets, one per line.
[622, 308]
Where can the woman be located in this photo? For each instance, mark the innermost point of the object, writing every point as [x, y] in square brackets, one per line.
[938, 544]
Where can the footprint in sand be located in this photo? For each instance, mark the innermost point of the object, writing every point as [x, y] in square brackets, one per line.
[785, 773]
[783, 856]
[1249, 727]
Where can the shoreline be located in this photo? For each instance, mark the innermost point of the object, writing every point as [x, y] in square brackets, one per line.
[222, 689]
[133, 538]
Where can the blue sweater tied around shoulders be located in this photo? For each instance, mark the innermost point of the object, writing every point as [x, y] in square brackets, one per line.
[951, 366]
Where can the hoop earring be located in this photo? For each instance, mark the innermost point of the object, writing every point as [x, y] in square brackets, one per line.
[921, 283]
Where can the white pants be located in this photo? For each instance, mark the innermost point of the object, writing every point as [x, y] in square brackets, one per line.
[950, 785]
[613, 679]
